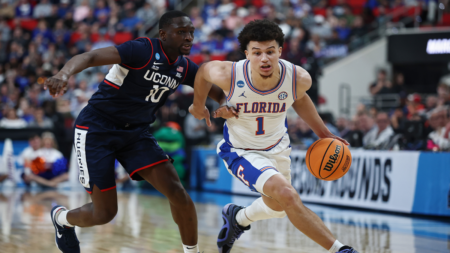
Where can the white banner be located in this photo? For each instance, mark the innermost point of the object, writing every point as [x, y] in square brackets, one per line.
[382, 180]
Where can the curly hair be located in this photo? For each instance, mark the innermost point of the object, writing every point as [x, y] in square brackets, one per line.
[260, 30]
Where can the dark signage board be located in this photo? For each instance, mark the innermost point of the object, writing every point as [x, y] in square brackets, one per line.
[427, 47]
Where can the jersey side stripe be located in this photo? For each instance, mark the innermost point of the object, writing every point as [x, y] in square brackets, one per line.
[112, 84]
[294, 82]
[233, 79]
[151, 56]
[247, 79]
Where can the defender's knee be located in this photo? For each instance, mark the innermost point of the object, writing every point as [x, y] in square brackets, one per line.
[178, 196]
[104, 216]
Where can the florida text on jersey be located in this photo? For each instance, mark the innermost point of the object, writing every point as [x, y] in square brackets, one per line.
[133, 90]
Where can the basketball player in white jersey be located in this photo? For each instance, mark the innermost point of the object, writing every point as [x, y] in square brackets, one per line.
[256, 146]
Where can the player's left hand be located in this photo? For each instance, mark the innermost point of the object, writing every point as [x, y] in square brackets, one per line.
[339, 138]
[226, 112]
[200, 113]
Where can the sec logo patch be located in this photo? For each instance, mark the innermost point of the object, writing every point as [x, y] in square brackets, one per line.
[240, 83]
[283, 95]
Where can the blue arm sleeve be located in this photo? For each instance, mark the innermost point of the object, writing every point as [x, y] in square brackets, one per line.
[136, 53]
[191, 72]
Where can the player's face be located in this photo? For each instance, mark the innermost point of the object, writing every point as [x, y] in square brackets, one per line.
[263, 56]
[180, 34]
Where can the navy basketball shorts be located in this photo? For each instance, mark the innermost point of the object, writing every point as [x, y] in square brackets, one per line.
[255, 167]
[98, 142]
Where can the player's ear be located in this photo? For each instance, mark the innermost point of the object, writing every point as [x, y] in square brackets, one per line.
[162, 34]
[246, 54]
[280, 49]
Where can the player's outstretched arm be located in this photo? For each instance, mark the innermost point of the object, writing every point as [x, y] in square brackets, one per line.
[214, 72]
[103, 56]
[305, 107]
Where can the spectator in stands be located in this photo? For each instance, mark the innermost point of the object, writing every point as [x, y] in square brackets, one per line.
[414, 105]
[49, 169]
[11, 120]
[327, 119]
[101, 9]
[294, 54]
[252, 15]
[316, 45]
[131, 21]
[439, 138]
[147, 12]
[431, 103]
[321, 27]
[364, 121]
[24, 9]
[81, 11]
[6, 10]
[380, 135]
[358, 28]
[42, 9]
[354, 137]
[399, 86]
[40, 120]
[443, 91]
[25, 111]
[225, 8]
[304, 134]
[343, 126]
[30, 152]
[382, 85]
[343, 30]
[233, 21]
[398, 120]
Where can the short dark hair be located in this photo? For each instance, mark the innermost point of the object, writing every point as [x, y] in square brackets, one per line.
[260, 30]
[166, 18]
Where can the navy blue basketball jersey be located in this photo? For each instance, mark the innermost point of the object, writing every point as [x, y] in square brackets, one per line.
[133, 90]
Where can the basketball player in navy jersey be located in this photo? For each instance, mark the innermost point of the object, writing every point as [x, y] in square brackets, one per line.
[115, 125]
[256, 146]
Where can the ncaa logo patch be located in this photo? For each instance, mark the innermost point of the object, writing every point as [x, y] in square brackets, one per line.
[157, 56]
[240, 83]
[283, 95]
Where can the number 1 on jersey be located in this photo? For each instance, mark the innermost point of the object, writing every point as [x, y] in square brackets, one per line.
[260, 130]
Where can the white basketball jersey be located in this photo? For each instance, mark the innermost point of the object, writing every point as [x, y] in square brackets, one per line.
[262, 122]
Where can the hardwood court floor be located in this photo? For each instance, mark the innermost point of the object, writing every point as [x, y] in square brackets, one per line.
[144, 224]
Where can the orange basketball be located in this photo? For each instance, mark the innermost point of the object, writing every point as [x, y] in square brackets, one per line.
[328, 159]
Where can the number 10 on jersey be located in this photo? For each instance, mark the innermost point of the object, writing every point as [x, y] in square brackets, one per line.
[153, 97]
[260, 129]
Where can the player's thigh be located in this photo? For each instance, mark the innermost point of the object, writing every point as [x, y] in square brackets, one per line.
[141, 154]
[282, 162]
[145, 160]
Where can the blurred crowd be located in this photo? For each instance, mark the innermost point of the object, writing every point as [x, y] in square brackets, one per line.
[38, 37]
[397, 118]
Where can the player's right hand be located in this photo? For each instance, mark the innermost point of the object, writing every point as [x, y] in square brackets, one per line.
[200, 113]
[56, 85]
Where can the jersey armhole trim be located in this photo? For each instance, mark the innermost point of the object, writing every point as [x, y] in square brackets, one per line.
[294, 82]
[151, 56]
[187, 67]
[233, 78]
